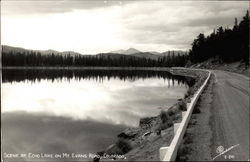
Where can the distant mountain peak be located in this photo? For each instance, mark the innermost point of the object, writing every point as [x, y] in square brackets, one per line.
[132, 49]
[127, 52]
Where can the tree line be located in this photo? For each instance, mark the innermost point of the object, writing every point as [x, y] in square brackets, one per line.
[34, 58]
[227, 45]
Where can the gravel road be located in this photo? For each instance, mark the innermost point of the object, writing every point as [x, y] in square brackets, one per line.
[230, 116]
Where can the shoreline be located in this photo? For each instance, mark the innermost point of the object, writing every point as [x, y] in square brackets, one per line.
[152, 133]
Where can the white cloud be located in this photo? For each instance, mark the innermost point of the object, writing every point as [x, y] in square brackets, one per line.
[95, 27]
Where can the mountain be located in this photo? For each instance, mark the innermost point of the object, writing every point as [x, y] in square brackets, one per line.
[126, 52]
[150, 54]
[117, 51]
[47, 52]
[146, 55]
[131, 52]
[8, 49]
[137, 53]
[154, 52]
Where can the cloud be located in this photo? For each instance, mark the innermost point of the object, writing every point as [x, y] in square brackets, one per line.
[177, 23]
[98, 26]
[53, 6]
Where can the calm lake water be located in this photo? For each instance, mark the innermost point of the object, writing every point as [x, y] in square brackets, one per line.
[79, 111]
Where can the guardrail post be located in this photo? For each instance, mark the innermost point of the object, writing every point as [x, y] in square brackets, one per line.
[163, 151]
[183, 114]
[176, 126]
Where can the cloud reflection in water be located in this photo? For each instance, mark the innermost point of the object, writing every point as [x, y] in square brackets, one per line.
[113, 101]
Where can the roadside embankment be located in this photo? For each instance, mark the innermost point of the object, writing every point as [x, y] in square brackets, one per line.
[215, 64]
[144, 142]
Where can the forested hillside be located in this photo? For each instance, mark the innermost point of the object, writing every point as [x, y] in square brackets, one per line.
[227, 45]
[34, 58]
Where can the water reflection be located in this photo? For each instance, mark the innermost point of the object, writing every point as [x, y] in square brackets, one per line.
[17, 75]
[67, 110]
[118, 97]
[38, 133]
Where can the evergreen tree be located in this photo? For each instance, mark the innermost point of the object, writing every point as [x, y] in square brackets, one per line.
[228, 45]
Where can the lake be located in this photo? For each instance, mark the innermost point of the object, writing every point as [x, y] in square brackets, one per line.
[79, 111]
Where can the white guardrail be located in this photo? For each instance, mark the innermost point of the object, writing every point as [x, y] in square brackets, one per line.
[169, 153]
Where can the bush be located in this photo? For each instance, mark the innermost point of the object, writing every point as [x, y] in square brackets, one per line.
[190, 91]
[186, 95]
[171, 112]
[164, 116]
[123, 145]
[166, 125]
[182, 105]
[166, 119]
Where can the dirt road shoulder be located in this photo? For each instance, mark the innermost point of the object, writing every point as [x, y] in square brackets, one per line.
[197, 140]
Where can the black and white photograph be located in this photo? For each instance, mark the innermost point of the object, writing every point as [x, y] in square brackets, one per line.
[125, 80]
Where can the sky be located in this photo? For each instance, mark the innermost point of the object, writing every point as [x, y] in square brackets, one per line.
[96, 26]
